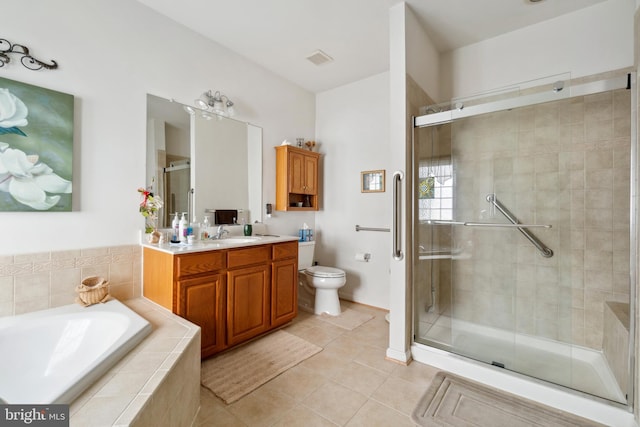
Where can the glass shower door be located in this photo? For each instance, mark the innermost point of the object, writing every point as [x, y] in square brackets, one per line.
[521, 232]
[489, 212]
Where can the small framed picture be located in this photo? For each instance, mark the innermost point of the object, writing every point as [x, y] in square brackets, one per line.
[372, 181]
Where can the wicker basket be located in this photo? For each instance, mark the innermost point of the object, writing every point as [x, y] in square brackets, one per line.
[93, 290]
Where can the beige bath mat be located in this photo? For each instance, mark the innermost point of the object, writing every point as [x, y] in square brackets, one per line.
[456, 401]
[348, 319]
[238, 372]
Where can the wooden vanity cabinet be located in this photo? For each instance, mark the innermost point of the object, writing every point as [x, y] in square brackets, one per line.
[233, 295]
[296, 178]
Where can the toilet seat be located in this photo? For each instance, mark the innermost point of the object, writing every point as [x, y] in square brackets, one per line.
[324, 272]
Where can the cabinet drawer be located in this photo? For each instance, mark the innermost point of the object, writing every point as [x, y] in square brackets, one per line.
[285, 250]
[255, 255]
[187, 265]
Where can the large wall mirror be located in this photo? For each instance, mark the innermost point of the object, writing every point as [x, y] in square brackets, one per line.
[203, 164]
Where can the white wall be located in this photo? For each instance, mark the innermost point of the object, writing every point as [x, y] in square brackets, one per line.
[352, 127]
[589, 41]
[111, 54]
[423, 60]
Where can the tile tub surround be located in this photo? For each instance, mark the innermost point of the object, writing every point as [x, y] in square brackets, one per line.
[140, 389]
[38, 281]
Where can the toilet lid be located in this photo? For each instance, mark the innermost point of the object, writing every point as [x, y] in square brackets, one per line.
[320, 271]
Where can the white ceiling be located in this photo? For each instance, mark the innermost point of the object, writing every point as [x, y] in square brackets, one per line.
[280, 34]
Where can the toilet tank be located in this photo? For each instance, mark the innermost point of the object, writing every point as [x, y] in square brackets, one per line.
[305, 254]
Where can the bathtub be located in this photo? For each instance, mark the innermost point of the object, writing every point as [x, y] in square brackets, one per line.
[52, 356]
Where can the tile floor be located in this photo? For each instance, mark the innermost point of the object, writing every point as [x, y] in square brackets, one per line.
[349, 383]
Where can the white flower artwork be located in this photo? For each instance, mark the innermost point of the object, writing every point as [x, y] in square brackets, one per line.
[28, 180]
[13, 112]
[36, 147]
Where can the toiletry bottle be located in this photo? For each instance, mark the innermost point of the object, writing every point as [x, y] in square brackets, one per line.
[182, 228]
[204, 229]
[175, 226]
[194, 229]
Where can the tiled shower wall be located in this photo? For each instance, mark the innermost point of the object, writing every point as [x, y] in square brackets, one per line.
[565, 163]
[39, 281]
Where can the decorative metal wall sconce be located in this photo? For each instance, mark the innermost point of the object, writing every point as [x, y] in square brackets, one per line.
[6, 48]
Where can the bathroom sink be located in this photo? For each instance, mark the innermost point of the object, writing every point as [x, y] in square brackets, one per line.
[237, 240]
[213, 243]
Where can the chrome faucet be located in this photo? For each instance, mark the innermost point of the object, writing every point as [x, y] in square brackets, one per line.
[220, 232]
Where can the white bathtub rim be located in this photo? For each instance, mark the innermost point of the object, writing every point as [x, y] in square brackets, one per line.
[91, 376]
[92, 373]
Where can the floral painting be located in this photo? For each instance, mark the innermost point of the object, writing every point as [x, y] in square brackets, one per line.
[36, 148]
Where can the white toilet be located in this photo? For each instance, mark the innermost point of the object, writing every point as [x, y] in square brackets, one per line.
[324, 281]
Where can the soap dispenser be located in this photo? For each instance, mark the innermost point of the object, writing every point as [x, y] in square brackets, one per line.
[182, 228]
[204, 229]
[175, 224]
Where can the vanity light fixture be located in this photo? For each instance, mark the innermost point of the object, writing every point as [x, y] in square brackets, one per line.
[217, 103]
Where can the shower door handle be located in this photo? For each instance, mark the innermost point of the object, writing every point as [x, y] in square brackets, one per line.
[397, 212]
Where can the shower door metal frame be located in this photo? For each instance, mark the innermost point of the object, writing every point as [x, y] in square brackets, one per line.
[626, 81]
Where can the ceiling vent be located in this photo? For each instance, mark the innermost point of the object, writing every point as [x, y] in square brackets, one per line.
[319, 57]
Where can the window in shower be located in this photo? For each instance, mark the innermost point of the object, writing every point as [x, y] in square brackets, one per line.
[435, 181]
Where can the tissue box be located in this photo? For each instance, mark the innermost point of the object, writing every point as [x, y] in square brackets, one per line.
[305, 235]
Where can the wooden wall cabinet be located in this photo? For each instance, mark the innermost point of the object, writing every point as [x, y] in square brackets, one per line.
[233, 295]
[296, 179]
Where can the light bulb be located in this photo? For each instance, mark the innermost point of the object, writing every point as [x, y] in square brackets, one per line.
[201, 103]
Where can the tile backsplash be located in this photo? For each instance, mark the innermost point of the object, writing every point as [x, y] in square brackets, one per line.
[31, 282]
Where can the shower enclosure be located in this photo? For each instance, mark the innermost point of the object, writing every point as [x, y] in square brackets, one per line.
[176, 185]
[521, 232]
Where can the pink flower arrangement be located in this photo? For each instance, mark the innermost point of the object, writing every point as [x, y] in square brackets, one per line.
[149, 207]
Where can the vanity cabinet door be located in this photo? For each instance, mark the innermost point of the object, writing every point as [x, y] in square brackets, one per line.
[296, 173]
[248, 303]
[201, 301]
[284, 283]
[310, 175]
[284, 291]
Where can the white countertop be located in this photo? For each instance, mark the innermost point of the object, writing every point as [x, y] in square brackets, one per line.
[219, 244]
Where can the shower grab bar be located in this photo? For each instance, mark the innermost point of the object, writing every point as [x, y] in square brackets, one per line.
[398, 176]
[358, 228]
[544, 250]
